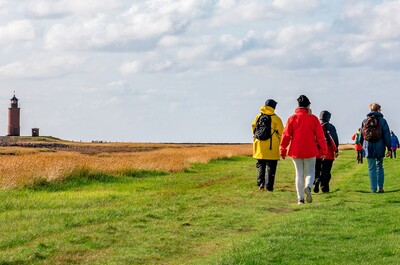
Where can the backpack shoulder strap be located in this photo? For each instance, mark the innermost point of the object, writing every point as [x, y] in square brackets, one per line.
[323, 125]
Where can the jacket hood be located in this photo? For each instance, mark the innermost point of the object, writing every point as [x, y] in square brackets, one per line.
[325, 116]
[267, 110]
[302, 110]
[377, 114]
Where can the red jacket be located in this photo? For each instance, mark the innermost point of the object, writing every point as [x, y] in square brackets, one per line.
[332, 148]
[358, 147]
[303, 131]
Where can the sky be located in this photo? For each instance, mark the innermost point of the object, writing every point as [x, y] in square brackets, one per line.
[194, 70]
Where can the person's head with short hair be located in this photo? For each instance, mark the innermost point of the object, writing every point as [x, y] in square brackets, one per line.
[375, 107]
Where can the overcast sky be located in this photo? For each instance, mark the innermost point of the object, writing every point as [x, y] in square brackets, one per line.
[194, 70]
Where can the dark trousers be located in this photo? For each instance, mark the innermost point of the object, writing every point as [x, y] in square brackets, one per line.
[359, 156]
[393, 153]
[266, 173]
[323, 173]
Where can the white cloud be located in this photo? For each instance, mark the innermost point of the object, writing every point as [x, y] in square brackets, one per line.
[130, 67]
[16, 31]
[297, 6]
[168, 41]
[91, 6]
[80, 36]
[45, 9]
[120, 88]
[41, 66]
[140, 27]
[366, 22]
[3, 8]
[386, 21]
[62, 8]
[300, 34]
[225, 4]
[234, 13]
[362, 52]
[149, 64]
[199, 51]
[368, 35]
[160, 66]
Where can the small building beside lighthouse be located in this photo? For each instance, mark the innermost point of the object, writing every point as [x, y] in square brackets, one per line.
[13, 118]
[35, 132]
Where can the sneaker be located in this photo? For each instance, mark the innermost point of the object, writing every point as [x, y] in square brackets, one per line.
[307, 191]
[381, 191]
[261, 187]
[300, 201]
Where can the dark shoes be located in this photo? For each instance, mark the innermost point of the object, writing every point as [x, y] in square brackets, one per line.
[261, 188]
[381, 191]
[316, 187]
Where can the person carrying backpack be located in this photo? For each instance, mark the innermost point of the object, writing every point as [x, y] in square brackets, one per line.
[267, 130]
[323, 167]
[375, 138]
[305, 138]
[358, 146]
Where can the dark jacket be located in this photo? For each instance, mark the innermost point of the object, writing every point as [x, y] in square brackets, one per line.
[395, 141]
[376, 149]
[324, 118]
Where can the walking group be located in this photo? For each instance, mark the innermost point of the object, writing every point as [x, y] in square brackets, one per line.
[312, 143]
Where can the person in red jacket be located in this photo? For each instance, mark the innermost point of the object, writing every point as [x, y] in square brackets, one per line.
[358, 146]
[307, 141]
[323, 167]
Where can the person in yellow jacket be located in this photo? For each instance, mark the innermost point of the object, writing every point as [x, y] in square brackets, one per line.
[266, 149]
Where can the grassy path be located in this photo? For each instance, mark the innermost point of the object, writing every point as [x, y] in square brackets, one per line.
[210, 214]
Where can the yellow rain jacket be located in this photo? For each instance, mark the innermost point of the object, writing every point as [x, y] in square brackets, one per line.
[266, 149]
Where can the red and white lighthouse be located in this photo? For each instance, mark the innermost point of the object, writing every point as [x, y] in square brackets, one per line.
[13, 118]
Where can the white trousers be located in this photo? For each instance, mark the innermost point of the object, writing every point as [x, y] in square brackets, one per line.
[305, 168]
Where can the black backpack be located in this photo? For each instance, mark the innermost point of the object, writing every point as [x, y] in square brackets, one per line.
[262, 131]
[372, 129]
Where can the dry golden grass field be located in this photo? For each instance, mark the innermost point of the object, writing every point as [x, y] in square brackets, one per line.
[24, 161]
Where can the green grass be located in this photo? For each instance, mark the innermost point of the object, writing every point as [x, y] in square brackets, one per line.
[209, 214]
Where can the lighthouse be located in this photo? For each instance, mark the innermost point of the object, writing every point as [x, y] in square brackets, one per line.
[13, 118]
